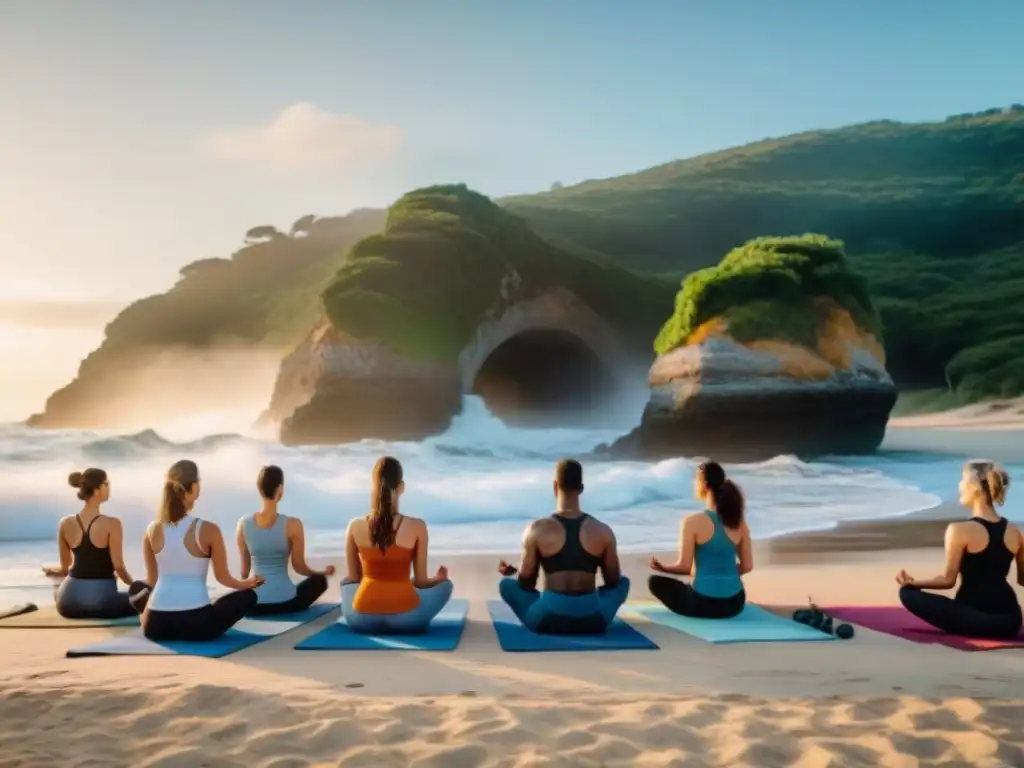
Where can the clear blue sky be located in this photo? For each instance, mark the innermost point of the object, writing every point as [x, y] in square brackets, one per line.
[136, 136]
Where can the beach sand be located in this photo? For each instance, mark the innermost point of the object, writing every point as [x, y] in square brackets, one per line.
[874, 700]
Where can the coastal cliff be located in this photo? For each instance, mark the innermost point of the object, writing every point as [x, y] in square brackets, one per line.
[457, 297]
[789, 363]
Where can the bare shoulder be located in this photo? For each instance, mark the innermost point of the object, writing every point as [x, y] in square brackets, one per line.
[208, 529]
[356, 524]
[67, 520]
[600, 527]
[292, 525]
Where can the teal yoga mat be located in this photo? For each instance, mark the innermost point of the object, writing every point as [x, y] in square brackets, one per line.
[753, 625]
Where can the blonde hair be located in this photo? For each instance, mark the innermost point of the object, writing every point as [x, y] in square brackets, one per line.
[181, 478]
[992, 479]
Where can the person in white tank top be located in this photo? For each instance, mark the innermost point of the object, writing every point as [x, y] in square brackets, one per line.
[178, 549]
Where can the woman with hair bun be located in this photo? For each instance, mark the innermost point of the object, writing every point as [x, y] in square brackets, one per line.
[90, 554]
[980, 552]
[179, 549]
[715, 542]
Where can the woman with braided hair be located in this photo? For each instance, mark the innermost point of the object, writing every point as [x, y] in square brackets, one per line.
[377, 595]
[715, 542]
[178, 549]
[979, 551]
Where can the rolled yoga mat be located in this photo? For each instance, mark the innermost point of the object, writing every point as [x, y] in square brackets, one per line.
[245, 633]
[753, 625]
[443, 634]
[513, 636]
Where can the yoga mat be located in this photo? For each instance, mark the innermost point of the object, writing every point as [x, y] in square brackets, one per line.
[245, 633]
[443, 634]
[897, 621]
[513, 636]
[29, 616]
[753, 625]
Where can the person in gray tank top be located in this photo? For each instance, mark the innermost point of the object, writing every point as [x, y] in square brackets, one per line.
[267, 541]
[714, 545]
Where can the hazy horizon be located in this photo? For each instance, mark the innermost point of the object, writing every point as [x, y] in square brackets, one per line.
[139, 138]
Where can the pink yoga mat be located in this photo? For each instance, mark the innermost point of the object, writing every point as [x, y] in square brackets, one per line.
[896, 620]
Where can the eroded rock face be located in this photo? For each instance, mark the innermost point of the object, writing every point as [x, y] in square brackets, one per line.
[740, 402]
[335, 389]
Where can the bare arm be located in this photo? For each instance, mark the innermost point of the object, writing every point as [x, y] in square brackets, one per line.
[149, 557]
[954, 554]
[611, 569]
[64, 551]
[419, 567]
[115, 543]
[683, 566]
[746, 552]
[354, 568]
[243, 550]
[297, 539]
[1020, 560]
[529, 565]
[219, 558]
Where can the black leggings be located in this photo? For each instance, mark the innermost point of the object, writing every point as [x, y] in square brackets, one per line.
[198, 624]
[306, 593]
[958, 618]
[679, 597]
[92, 599]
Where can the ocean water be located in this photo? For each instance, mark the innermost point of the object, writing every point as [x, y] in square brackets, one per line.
[477, 485]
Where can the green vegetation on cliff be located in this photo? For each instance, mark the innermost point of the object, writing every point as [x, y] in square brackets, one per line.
[930, 214]
[444, 259]
[766, 289]
[266, 293]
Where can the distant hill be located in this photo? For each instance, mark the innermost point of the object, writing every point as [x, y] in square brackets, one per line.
[932, 215]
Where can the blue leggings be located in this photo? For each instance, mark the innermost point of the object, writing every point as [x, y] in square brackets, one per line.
[553, 613]
[416, 621]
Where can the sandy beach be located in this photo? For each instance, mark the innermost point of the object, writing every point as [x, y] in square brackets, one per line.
[874, 700]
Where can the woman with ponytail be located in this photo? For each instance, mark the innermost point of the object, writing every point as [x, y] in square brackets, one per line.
[980, 552]
[90, 546]
[179, 549]
[715, 542]
[378, 596]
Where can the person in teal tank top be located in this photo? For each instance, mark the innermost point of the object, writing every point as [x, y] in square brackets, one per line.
[267, 542]
[714, 546]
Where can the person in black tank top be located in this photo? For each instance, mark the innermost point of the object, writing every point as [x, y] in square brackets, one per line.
[570, 547]
[980, 551]
[89, 589]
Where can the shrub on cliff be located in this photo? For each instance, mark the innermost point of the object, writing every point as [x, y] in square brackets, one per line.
[767, 289]
[444, 258]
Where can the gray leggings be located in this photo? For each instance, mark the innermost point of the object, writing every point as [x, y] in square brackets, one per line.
[92, 599]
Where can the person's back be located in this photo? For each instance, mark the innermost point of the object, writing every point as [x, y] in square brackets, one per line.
[91, 558]
[181, 585]
[569, 547]
[386, 586]
[986, 563]
[715, 562]
[269, 549]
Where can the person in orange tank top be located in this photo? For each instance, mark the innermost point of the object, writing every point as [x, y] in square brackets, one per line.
[377, 595]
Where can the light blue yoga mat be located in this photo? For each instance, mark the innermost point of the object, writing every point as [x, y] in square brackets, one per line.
[513, 636]
[245, 633]
[753, 625]
[443, 634]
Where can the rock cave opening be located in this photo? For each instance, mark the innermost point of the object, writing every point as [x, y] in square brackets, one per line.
[544, 377]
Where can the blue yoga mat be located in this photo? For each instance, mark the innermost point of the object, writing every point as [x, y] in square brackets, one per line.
[245, 633]
[753, 625]
[513, 636]
[443, 634]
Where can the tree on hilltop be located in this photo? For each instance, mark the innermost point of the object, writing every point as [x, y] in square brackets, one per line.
[262, 234]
